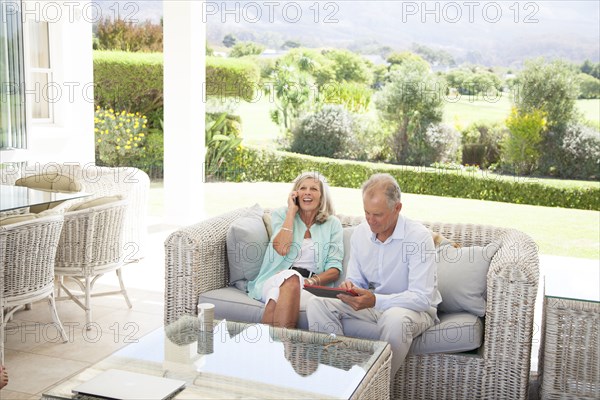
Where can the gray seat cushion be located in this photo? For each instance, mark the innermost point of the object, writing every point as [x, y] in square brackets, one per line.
[455, 333]
[235, 305]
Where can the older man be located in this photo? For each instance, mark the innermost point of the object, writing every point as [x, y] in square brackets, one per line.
[391, 268]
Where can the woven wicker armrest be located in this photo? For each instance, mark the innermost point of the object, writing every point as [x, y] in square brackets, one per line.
[196, 262]
[512, 284]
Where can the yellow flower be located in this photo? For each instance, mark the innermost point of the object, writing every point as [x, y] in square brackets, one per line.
[141, 135]
[118, 147]
[118, 139]
[99, 140]
[127, 147]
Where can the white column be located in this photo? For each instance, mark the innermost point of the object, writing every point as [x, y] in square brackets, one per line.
[184, 72]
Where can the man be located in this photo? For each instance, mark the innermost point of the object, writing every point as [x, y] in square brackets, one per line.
[391, 268]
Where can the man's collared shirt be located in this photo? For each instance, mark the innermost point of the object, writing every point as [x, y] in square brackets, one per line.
[400, 271]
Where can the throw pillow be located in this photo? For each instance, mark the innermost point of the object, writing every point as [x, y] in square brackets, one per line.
[462, 277]
[98, 201]
[247, 242]
[268, 224]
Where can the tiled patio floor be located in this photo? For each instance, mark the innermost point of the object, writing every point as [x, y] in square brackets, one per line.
[36, 361]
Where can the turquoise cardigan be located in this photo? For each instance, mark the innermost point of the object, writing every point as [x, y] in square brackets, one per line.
[328, 236]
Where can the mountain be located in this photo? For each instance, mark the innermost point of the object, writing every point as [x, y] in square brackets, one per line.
[502, 33]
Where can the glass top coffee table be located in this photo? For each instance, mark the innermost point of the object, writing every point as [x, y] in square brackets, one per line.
[242, 360]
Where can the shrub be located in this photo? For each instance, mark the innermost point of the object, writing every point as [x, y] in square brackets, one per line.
[520, 151]
[220, 140]
[127, 36]
[589, 87]
[481, 144]
[580, 156]
[369, 140]
[325, 133]
[246, 49]
[120, 137]
[441, 143]
[355, 97]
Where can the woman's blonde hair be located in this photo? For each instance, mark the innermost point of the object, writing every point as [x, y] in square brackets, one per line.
[326, 205]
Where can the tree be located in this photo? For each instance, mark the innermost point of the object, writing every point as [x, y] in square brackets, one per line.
[398, 59]
[348, 66]
[411, 101]
[291, 88]
[520, 149]
[229, 40]
[246, 49]
[590, 87]
[434, 57]
[551, 88]
[290, 44]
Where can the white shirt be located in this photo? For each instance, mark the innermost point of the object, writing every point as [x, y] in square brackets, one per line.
[400, 271]
[308, 255]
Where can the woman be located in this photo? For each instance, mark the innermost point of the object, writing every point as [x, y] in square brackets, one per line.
[306, 248]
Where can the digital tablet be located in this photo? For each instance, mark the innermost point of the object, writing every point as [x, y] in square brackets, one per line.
[326, 291]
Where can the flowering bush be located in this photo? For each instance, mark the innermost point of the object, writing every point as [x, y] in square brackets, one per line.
[120, 137]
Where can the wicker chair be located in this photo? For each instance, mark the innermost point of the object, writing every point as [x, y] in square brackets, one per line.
[28, 250]
[91, 244]
[196, 262]
[130, 182]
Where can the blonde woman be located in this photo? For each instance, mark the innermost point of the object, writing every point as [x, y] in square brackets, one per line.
[306, 248]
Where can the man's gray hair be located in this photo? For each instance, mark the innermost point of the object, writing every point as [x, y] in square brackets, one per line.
[386, 183]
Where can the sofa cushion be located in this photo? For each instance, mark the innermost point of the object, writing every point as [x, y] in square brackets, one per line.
[462, 277]
[347, 235]
[455, 333]
[50, 181]
[98, 201]
[247, 242]
[17, 218]
[235, 305]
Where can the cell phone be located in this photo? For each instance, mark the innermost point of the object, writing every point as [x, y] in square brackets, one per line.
[296, 202]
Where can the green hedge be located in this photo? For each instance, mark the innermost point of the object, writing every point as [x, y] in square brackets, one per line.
[129, 81]
[134, 81]
[250, 164]
[233, 78]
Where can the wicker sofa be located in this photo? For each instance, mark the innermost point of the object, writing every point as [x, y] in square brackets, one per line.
[196, 267]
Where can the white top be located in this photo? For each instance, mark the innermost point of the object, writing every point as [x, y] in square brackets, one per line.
[307, 257]
[400, 271]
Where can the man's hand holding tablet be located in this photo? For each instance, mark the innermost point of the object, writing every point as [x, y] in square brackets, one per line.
[326, 291]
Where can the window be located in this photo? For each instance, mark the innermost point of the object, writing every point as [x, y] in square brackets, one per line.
[13, 132]
[40, 74]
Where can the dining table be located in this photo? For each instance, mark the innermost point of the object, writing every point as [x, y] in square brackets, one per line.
[15, 198]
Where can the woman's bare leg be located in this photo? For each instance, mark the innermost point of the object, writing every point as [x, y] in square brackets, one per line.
[267, 317]
[287, 308]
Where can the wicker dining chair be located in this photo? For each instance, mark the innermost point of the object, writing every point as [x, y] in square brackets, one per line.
[91, 245]
[27, 253]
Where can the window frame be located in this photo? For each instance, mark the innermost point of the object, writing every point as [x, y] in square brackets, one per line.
[13, 98]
